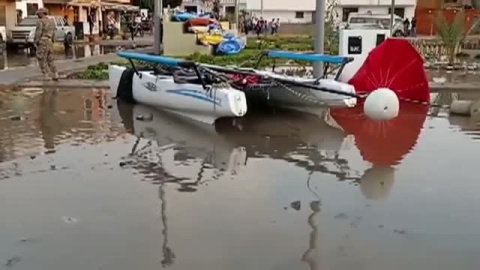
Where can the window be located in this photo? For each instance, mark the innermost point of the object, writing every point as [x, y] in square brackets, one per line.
[346, 12]
[32, 9]
[3, 16]
[398, 11]
[299, 15]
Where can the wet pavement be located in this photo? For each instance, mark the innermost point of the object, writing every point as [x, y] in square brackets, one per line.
[22, 58]
[85, 185]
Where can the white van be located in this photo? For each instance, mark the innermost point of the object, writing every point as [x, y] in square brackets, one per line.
[376, 21]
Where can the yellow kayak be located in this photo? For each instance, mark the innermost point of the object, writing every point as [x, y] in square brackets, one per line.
[210, 39]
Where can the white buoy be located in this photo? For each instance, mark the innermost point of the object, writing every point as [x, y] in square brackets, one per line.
[381, 104]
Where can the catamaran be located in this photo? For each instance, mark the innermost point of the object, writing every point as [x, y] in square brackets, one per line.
[208, 92]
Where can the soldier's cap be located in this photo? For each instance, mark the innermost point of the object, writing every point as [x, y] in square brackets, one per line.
[43, 11]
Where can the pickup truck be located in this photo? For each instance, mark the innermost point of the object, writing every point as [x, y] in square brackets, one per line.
[23, 34]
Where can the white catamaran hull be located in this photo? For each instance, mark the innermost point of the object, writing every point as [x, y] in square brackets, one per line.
[310, 100]
[189, 100]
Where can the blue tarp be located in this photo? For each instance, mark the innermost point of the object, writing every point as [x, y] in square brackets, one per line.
[183, 16]
[311, 57]
[230, 44]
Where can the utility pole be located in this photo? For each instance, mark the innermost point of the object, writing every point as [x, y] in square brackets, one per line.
[236, 16]
[157, 16]
[261, 8]
[392, 17]
[319, 36]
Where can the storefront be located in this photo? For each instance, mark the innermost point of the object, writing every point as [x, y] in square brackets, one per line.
[116, 10]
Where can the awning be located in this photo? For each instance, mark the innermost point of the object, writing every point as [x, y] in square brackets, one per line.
[84, 3]
[119, 7]
[55, 2]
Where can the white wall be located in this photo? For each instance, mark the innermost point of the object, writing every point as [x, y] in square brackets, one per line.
[292, 5]
[409, 11]
[376, 2]
[10, 14]
[284, 16]
[22, 5]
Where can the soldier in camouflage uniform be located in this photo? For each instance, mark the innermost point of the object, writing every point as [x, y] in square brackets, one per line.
[44, 38]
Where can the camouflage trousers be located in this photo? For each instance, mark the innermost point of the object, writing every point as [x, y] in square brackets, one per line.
[45, 56]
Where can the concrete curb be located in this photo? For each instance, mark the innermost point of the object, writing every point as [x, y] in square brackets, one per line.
[65, 83]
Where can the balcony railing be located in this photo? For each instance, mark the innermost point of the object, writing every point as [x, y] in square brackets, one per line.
[222, 2]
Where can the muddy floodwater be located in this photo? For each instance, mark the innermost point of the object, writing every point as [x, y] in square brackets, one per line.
[85, 184]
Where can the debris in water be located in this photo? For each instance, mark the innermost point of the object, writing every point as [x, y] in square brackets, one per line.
[142, 117]
[123, 163]
[16, 118]
[315, 206]
[53, 167]
[69, 220]
[381, 226]
[399, 231]
[341, 216]
[12, 261]
[33, 157]
[297, 205]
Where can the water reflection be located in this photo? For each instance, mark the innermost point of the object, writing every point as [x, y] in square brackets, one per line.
[38, 121]
[192, 154]
[213, 221]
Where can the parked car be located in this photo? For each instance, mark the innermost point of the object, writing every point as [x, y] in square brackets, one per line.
[23, 34]
[3, 36]
[382, 21]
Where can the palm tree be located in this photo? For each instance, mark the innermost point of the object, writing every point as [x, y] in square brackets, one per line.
[451, 33]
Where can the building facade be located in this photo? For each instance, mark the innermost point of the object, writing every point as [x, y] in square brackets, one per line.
[77, 12]
[288, 11]
[11, 11]
[403, 8]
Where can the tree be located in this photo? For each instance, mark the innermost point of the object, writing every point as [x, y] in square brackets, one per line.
[451, 33]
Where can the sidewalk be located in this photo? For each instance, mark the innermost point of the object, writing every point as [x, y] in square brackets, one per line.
[147, 40]
[11, 77]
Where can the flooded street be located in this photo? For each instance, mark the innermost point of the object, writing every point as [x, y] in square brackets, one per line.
[85, 185]
[22, 58]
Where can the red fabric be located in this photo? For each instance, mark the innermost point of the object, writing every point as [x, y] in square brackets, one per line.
[383, 143]
[244, 79]
[200, 22]
[394, 64]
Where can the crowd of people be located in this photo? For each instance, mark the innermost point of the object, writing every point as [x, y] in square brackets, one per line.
[135, 23]
[410, 27]
[260, 26]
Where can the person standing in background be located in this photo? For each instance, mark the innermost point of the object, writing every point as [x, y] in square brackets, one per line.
[44, 38]
[413, 31]
[90, 21]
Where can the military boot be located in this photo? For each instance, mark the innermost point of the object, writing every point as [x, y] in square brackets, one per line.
[55, 76]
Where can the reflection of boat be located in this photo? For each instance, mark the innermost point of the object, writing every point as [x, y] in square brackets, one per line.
[180, 140]
[301, 139]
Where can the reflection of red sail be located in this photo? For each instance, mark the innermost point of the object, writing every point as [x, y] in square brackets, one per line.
[394, 64]
[383, 142]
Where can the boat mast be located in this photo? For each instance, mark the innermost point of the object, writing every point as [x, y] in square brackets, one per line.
[319, 36]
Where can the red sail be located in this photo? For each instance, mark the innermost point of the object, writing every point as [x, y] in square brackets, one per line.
[394, 64]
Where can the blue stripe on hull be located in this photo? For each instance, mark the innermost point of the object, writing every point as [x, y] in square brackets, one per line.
[195, 94]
